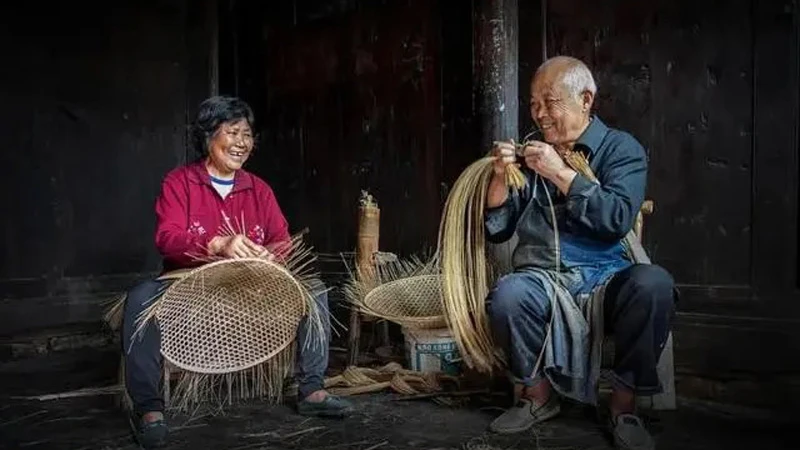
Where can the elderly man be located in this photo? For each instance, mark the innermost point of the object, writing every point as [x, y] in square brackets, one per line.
[564, 275]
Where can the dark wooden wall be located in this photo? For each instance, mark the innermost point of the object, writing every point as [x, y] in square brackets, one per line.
[93, 115]
[711, 89]
[348, 96]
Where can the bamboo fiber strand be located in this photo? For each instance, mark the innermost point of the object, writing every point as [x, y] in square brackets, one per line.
[461, 249]
[466, 274]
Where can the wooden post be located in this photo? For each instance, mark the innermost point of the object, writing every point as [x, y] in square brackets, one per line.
[212, 17]
[497, 88]
[666, 364]
[496, 73]
[369, 216]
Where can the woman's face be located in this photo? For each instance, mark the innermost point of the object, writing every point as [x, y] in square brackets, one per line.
[229, 147]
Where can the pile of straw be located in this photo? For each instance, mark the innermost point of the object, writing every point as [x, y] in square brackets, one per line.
[466, 273]
[361, 380]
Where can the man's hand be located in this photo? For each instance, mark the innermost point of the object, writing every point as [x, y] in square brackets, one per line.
[238, 246]
[505, 153]
[545, 160]
[498, 191]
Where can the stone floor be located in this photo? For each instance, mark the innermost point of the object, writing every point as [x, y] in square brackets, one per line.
[381, 422]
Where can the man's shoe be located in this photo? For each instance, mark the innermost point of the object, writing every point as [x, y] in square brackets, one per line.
[630, 434]
[525, 414]
[331, 406]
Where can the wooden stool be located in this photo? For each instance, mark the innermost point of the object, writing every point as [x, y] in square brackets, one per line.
[357, 317]
[666, 363]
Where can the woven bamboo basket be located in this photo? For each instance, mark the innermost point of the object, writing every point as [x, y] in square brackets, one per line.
[404, 291]
[413, 302]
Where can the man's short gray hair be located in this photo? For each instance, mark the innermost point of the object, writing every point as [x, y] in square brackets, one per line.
[575, 76]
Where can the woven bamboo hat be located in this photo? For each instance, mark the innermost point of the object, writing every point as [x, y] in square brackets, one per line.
[229, 315]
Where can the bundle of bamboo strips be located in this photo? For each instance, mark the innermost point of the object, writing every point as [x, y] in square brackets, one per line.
[369, 227]
[461, 251]
[467, 275]
[352, 381]
[466, 272]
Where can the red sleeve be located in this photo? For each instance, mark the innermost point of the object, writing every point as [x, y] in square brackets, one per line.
[173, 240]
[275, 224]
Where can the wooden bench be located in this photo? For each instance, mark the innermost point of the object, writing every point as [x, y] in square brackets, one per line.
[666, 364]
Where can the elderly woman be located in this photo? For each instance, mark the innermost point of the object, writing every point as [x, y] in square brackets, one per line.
[190, 210]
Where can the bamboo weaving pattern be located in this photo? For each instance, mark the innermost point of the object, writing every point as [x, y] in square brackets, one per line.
[229, 315]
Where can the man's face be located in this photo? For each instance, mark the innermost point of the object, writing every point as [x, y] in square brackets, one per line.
[560, 115]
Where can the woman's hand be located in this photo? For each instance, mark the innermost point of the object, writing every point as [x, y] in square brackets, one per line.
[237, 246]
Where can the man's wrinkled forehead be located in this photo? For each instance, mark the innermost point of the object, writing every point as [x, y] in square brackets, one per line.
[547, 83]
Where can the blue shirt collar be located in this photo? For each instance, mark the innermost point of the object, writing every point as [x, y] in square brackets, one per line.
[593, 135]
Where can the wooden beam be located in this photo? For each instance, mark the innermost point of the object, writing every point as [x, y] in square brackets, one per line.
[496, 74]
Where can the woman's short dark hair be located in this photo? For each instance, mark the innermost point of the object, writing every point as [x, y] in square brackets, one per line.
[213, 112]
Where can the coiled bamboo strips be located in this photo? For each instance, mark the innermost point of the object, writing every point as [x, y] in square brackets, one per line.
[462, 254]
